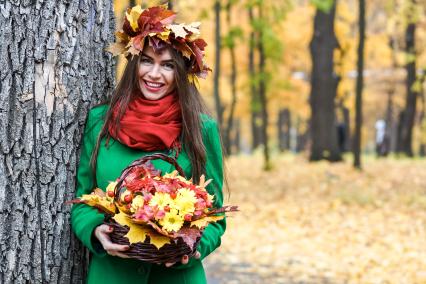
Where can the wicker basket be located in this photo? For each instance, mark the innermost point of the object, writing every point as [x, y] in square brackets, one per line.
[145, 251]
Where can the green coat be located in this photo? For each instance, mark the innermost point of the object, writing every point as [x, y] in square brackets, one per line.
[107, 269]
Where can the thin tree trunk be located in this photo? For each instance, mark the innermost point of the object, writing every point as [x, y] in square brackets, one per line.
[359, 87]
[237, 136]
[262, 96]
[391, 132]
[422, 117]
[53, 68]
[254, 103]
[233, 83]
[218, 103]
[284, 125]
[389, 122]
[324, 81]
[170, 4]
[347, 122]
[411, 99]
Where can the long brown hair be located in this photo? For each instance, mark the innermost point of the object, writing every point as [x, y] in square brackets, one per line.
[191, 104]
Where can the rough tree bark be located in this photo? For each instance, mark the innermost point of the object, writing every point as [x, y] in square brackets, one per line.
[53, 68]
[323, 88]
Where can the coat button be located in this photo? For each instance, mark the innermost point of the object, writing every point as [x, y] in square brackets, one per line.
[141, 269]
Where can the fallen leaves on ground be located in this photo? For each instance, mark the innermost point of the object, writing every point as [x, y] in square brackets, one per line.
[324, 223]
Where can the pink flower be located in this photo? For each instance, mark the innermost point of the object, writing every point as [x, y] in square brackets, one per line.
[160, 214]
[200, 205]
[147, 197]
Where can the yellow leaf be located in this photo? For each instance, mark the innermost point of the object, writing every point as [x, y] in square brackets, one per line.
[122, 219]
[178, 30]
[201, 223]
[100, 202]
[164, 35]
[194, 28]
[122, 36]
[158, 240]
[116, 48]
[137, 233]
[133, 16]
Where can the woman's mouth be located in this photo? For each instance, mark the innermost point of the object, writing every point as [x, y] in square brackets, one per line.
[153, 86]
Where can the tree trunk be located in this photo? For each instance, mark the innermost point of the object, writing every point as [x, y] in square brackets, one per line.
[284, 125]
[233, 83]
[422, 116]
[400, 125]
[262, 96]
[218, 103]
[411, 98]
[237, 137]
[323, 89]
[389, 123]
[170, 4]
[359, 87]
[54, 68]
[347, 122]
[301, 137]
[254, 104]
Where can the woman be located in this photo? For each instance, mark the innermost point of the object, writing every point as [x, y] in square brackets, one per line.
[156, 107]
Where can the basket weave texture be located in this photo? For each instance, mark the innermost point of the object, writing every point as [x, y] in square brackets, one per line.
[145, 251]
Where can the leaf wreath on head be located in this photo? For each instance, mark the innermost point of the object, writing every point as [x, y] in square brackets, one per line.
[156, 25]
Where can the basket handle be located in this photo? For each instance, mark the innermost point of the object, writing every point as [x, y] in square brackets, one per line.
[143, 160]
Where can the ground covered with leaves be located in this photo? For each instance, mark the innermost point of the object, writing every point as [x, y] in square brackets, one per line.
[324, 223]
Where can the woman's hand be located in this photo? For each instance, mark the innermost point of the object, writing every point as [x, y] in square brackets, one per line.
[102, 234]
[184, 259]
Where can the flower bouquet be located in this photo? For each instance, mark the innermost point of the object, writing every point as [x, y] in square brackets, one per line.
[161, 218]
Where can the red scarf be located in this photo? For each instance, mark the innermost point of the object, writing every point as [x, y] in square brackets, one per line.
[149, 125]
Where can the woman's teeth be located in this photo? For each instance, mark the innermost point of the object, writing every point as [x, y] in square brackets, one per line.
[154, 85]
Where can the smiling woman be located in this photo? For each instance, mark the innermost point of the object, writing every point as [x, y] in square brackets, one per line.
[156, 107]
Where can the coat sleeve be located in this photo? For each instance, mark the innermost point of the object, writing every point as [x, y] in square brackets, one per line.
[84, 219]
[211, 238]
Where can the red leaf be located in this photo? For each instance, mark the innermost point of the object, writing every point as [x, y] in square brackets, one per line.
[189, 236]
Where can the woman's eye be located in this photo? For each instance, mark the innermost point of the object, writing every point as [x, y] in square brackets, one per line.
[146, 61]
[169, 66]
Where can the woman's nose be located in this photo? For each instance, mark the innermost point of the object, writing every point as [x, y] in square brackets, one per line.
[155, 71]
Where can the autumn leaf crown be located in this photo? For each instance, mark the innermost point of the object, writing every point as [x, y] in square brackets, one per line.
[156, 25]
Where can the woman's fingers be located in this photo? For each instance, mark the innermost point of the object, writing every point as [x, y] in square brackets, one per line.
[197, 254]
[116, 253]
[102, 233]
[109, 246]
[185, 259]
[168, 264]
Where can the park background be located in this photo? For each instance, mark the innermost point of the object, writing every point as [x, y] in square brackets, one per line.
[326, 165]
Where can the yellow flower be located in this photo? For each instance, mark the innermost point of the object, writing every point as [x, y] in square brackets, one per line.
[137, 202]
[185, 201]
[187, 194]
[161, 200]
[172, 221]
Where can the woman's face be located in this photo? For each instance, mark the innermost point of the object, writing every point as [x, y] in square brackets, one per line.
[156, 73]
